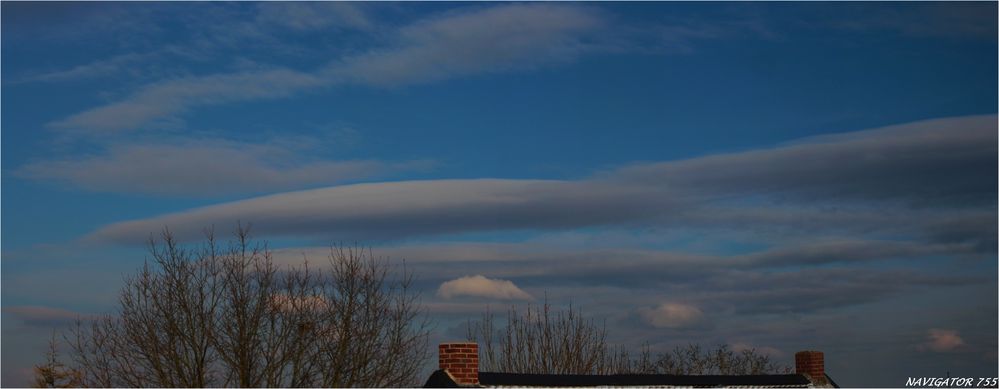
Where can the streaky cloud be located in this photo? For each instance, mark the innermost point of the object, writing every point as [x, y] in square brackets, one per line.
[941, 168]
[481, 40]
[924, 163]
[165, 98]
[205, 167]
[408, 208]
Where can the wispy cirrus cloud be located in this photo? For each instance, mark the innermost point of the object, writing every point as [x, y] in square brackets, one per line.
[315, 15]
[205, 167]
[923, 20]
[486, 40]
[109, 66]
[941, 167]
[456, 44]
[223, 34]
[165, 98]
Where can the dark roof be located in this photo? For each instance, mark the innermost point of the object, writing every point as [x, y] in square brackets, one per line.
[511, 379]
[831, 382]
[440, 379]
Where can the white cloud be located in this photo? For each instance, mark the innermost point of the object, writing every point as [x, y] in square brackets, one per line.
[479, 286]
[671, 315]
[943, 340]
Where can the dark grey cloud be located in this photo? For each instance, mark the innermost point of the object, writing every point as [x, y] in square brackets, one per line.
[977, 229]
[848, 250]
[860, 227]
[942, 170]
[944, 224]
[536, 267]
[842, 311]
[810, 290]
[921, 20]
[40, 316]
[796, 279]
[944, 161]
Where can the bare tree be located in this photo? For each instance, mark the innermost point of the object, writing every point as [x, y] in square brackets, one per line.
[543, 341]
[53, 373]
[694, 360]
[226, 315]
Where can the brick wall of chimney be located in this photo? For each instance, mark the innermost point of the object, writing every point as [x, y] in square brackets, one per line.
[461, 360]
[811, 364]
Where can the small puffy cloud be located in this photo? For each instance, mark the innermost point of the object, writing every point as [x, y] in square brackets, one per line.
[671, 315]
[942, 340]
[480, 286]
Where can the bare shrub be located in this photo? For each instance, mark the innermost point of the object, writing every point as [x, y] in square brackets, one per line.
[543, 341]
[53, 373]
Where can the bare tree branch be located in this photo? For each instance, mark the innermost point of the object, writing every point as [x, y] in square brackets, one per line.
[542, 341]
[226, 315]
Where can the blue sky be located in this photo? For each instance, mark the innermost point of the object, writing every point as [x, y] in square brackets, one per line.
[783, 176]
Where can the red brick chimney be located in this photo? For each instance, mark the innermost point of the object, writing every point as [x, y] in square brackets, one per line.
[811, 364]
[461, 361]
